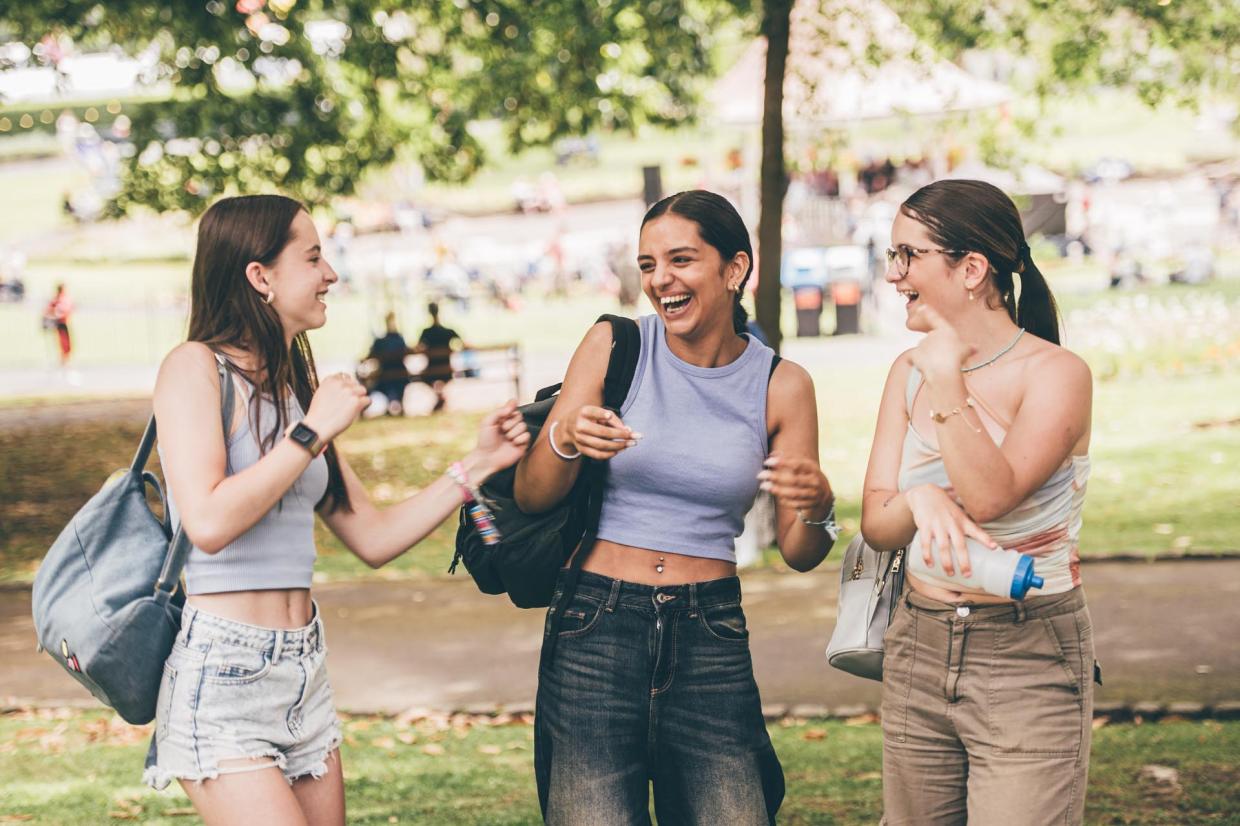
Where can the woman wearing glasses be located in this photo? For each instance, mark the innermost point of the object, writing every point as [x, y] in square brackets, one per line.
[983, 433]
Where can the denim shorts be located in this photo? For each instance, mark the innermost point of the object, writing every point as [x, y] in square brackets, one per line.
[232, 690]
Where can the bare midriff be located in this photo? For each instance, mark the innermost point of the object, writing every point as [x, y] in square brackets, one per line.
[954, 597]
[647, 567]
[284, 608]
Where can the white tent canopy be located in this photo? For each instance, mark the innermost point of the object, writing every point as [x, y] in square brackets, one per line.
[830, 80]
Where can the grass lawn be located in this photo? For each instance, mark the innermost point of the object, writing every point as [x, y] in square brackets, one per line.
[63, 768]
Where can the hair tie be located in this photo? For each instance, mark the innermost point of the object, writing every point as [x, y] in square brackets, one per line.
[1022, 255]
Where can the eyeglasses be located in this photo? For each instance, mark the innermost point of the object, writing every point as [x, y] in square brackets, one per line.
[902, 254]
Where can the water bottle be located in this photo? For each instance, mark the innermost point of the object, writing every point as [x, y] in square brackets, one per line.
[997, 571]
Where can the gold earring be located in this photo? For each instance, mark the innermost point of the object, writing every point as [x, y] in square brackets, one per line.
[970, 295]
[271, 296]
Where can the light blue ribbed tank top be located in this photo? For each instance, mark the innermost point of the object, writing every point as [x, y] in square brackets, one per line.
[278, 551]
[686, 486]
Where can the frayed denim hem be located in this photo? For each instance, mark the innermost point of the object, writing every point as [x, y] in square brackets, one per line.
[160, 778]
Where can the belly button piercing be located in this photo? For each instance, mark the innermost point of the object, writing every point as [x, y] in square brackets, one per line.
[658, 569]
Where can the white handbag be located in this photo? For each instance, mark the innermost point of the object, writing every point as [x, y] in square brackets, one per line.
[870, 586]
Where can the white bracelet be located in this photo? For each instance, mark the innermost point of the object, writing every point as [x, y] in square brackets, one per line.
[551, 441]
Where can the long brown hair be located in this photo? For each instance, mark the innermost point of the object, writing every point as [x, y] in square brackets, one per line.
[975, 216]
[226, 311]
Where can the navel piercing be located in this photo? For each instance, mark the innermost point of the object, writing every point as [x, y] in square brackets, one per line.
[658, 569]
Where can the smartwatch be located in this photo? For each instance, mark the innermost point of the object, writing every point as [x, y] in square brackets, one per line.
[305, 437]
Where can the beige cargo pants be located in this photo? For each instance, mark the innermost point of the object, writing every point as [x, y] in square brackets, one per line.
[987, 712]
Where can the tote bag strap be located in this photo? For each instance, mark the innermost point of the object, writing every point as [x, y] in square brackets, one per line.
[179, 548]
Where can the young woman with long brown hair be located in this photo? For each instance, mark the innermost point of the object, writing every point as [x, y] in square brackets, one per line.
[983, 433]
[245, 719]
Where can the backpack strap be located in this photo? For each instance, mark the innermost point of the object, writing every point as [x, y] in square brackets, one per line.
[180, 546]
[621, 366]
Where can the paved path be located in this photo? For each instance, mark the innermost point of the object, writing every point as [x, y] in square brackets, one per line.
[1165, 631]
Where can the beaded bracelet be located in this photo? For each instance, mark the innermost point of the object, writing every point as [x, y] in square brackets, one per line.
[476, 505]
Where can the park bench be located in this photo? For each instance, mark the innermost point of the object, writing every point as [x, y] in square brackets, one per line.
[487, 363]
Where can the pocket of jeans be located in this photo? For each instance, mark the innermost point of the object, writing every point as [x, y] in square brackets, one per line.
[1034, 695]
[725, 622]
[235, 665]
[580, 617]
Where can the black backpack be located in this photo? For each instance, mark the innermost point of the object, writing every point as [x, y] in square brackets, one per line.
[534, 547]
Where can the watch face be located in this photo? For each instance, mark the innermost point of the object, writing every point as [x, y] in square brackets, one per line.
[303, 435]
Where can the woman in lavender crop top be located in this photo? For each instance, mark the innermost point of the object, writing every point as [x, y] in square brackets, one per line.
[650, 677]
[245, 720]
[983, 432]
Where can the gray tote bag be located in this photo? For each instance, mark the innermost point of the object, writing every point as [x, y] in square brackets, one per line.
[870, 585]
[107, 598]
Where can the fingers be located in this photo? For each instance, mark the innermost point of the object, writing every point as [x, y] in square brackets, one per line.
[971, 529]
[960, 549]
[796, 482]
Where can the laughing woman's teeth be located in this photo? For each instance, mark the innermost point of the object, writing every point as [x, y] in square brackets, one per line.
[674, 303]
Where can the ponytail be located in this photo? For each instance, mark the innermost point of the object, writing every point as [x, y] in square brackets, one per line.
[740, 317]
[1036, 310]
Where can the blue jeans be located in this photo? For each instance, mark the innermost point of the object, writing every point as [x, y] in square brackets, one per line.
[653, 684]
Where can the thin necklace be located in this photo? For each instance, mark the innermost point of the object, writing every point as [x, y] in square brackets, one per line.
[996, 356]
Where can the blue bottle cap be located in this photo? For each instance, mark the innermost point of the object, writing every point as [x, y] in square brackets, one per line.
[1024, 578]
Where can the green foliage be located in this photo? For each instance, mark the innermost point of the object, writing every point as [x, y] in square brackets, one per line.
[303, 97]
[1167, 50]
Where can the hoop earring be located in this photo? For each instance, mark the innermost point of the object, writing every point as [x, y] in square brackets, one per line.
[271, 296]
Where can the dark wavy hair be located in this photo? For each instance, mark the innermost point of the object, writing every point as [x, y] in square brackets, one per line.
[720, 225]
[974, 216]
[226, 311]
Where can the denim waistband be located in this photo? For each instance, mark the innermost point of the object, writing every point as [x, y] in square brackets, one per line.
[690, 596]
[278, 642]
[1016, 611]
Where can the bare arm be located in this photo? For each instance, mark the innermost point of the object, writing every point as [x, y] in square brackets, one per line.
[543, 478]
[990, 479]
[886, 519]
[214, 508]
[793, 474]
[379, 535]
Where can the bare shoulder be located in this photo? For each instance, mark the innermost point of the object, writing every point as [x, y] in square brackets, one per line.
[901, 368]
[790, 383]
[185, 370]
[186, 362]
[1059, 365]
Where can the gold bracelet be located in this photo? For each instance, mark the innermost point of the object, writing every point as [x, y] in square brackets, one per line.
[939, 418]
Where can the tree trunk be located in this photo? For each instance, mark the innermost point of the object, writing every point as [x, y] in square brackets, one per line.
[776, 22]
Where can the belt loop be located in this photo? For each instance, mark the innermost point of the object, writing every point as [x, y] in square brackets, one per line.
[1018, 612]
[614, 596]
[693, 596]
[279, 647]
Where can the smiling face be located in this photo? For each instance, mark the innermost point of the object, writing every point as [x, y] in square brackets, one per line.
[300, 278]
[685, 278]
[933, 278]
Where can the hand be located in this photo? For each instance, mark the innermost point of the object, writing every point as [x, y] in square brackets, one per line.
[797, 482]
[502, 440]
[942, 350]
[596, 432]
[941, 522]
[337, 403]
